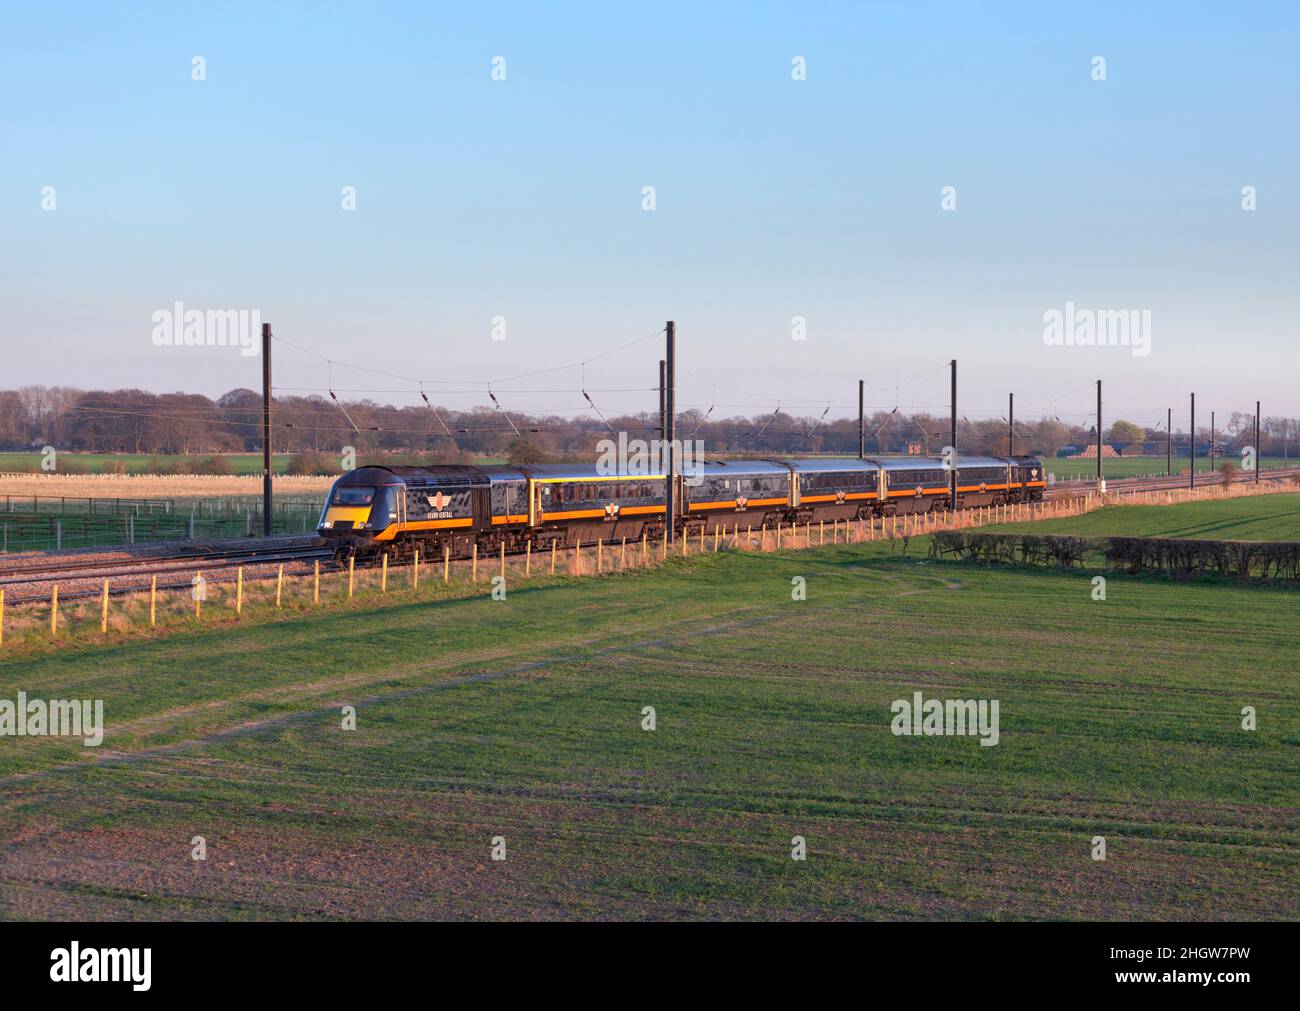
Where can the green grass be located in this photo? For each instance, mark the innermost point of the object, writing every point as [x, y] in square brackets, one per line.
[148, 463]
[521, 718]
[1141, 466]
[1252, 518]
[139, 463]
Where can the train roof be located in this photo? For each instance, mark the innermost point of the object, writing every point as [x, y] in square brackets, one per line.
[982, 461]
[448, 475]
[576, 472]
[831, 464]
[710, 468]
[931, 462]
[729, 468]
[907, 462]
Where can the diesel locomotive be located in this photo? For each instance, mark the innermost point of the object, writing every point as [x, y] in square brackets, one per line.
[397, 510]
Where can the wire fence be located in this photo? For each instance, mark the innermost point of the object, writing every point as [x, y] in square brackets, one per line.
[53, 523]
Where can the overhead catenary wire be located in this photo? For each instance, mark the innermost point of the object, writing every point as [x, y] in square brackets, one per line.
[503, 413]
[435, 413]
[483, 384]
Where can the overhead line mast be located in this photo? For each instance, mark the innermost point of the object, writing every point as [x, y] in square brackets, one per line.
[952, 475]
[266, 430]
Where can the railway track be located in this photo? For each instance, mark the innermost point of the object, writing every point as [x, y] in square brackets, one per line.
[135, 574]
[43, 571]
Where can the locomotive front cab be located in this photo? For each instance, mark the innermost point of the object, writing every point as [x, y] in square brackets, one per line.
[361, 504]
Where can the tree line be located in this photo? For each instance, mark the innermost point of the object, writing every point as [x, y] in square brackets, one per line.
[138, 421]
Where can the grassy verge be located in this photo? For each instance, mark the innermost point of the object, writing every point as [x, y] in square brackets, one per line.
[1247, 518]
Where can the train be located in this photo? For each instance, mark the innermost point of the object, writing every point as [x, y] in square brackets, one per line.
[397, 510]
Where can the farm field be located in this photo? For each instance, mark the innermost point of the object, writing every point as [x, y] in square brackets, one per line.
[241, 464]
[140, 463]
[521, 719]
[1142, 466]
[1247, 518]
[152, 486]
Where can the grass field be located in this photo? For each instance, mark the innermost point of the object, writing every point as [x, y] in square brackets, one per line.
[522, 719]
[1142, 466]
[1249, 518]
[139, 463]
[147, 463]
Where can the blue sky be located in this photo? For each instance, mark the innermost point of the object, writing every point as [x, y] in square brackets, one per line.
[774, 198]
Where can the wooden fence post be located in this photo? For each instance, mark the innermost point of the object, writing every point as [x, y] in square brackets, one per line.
[352, 560]
[553, 543]
[315, 588]
[103, 611]
[383, 572]
[446, 563]
[415, 571]
[474, 564]
[54, 610]
[279, 583]
[528, 557]
[153, 600]
[239, 590]
[2, 616]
